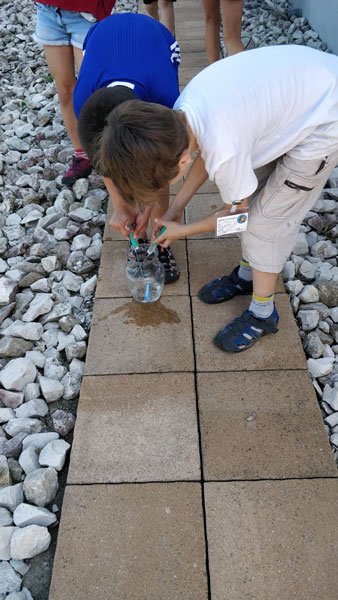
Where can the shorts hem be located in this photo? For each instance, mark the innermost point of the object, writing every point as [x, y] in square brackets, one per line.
[65, 42]
[266, 268]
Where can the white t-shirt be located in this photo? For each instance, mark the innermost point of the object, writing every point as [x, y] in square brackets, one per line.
[247, 110]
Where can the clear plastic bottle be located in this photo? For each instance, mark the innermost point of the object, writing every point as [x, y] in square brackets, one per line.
[144, 275]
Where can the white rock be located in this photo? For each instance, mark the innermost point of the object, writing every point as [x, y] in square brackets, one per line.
[309, 294]
[64, 339]
[319, 367]
[54, 454]
[11, 496]
[39, 440]
[49, 263]
[80, 242]
[41, 486]
[29, 541]
[88, 287]
[71, 281]
[29, 460]
[5, 540]
[309, 319]
[81, 214]
[330, 395]
[36, 357]
[332, 420]
[334, 439]
[51, 389]
[5, 517]
[8, 290]
[31, 391]
[18, 425]
[79, 333]
[41, 305]
[301, 246]
[16, 595]
[6, 414]
[9, 579]
[26, 331]
[25, 515]
[20, 566]
[33, 408]
[334, 314]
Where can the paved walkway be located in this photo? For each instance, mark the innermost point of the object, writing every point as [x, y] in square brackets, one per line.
[194, 475]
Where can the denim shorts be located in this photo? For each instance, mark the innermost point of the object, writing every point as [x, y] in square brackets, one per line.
[58, 27]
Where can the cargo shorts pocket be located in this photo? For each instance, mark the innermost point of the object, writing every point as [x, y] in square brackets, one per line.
[287, 190]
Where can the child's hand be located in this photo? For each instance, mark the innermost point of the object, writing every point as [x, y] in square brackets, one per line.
[123, 219]
[174, 231]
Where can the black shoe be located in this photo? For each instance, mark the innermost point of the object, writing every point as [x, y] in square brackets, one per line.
[171, 269]
[224, 288]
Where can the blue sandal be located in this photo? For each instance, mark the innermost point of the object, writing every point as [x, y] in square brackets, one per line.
[244, 331]
[224, 288]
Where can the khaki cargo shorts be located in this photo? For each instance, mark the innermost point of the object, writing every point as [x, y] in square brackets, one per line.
[288, 188]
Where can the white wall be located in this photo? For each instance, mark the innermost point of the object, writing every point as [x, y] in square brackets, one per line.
[323, 18]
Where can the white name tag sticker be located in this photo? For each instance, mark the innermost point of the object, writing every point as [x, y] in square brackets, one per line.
[231, 224]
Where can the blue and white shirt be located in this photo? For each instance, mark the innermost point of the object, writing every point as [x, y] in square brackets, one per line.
[133, 50]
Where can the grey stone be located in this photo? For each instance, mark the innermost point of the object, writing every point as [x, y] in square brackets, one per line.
[81, 214]
[12, 448]
[308, 318]
[27, 331]
[88, 287]
[63, 422]
[309, 294]
[79, 333]
[20, 566]
[25, 515]
[5, 517]
[80, 188]
[324, 249]
[332, 420]
[41, 486]
[334, 314]
[301, 246]
[11, 399]
[307, 271]
[51, 389]
[320, 366]
[29, 460]
[39, 440]
[77, 350]
[5, 476]
[41, 285]
[11, 496]
[37, 358]
[328, 293]
[330, 395]
[33, 408]
[49, 263]
[71, 281]
[9, 579]
[41, 305]
[29, 542]
[22, 425]
[54, 454]
[313, 345]
[15, 470]
[17, 373]
[5, 541]
[6, 414]
[79, 264]
[13, 347]
[95, 250]
[8, 291]
[294, 287]
[59, 310]
[81, 242]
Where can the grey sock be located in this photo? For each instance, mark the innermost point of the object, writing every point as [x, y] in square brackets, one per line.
[245, 271]
[261, 307]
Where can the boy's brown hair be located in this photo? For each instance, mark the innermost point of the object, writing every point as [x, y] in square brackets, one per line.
[140, 148]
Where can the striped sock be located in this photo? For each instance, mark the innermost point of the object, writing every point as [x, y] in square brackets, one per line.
[245, 271]
[261, 307]
[80, 153]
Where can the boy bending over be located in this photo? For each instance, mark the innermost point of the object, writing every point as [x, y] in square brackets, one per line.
[265, 124]
[127, 56]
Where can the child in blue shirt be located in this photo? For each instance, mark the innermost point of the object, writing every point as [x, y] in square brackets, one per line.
[127, 56]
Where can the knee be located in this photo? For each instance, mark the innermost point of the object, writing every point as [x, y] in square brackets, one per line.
[65, 92]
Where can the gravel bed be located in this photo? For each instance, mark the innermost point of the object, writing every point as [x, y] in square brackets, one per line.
[50, 247]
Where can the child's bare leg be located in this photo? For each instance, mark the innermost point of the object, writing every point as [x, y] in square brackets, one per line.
[232, 11]
[167, 15]
[264, 284]
[152, 10]
[212, 19]
[60, 60]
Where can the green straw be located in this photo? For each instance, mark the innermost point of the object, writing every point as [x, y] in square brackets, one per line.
[154, 244]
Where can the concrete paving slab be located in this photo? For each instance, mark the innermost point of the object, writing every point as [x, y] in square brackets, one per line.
[131, 542]
[190, 46]
[194, 59]
[129, 337]
[273, 539]
[201, 206]
[111, 279]
[264, 425]
[211, 258]
[272, 352]
[188, 73]
[136, 428]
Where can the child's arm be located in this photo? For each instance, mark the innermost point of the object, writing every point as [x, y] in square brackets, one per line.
[196, 177]
[175, 231]
[124, 215]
